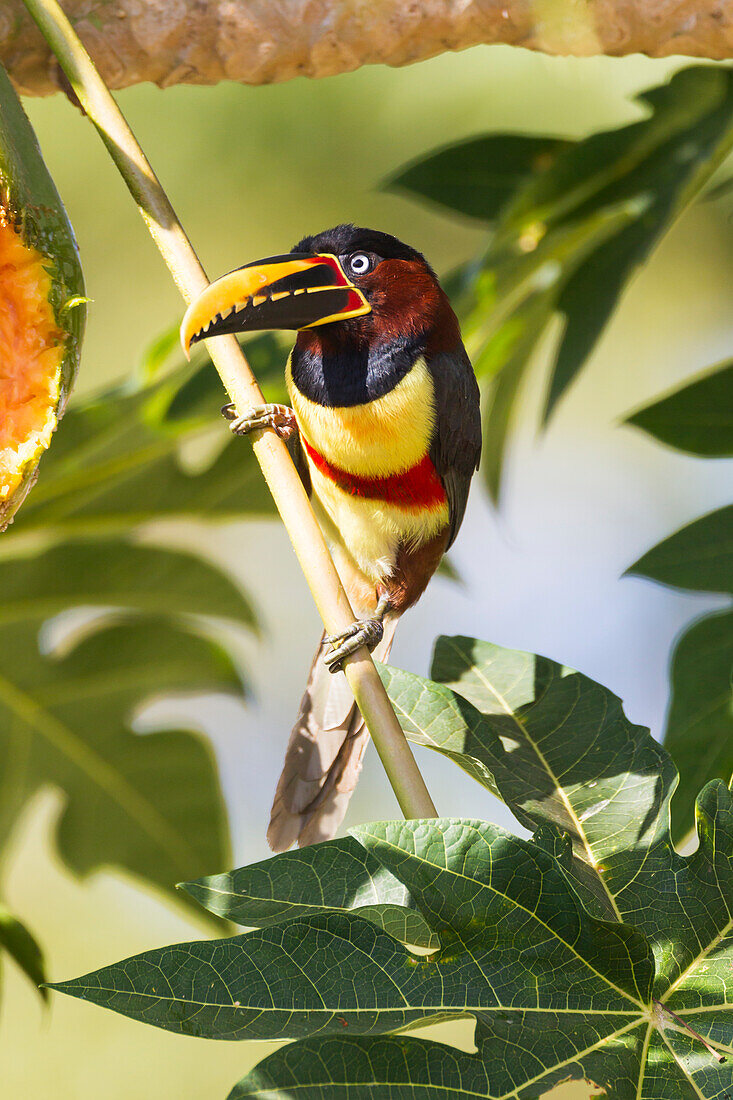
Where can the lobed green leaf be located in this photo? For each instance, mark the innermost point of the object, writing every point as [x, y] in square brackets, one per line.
[337, 876]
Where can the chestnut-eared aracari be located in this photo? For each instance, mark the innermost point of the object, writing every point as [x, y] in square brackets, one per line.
[385, 431]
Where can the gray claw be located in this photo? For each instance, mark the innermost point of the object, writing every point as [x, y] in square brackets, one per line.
[368, 632]
[279, 417]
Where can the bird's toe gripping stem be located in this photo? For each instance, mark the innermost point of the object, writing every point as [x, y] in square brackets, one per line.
[279, 417]
[368, 632]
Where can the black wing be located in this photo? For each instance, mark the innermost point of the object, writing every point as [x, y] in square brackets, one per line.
[295, 449]
[456, 448]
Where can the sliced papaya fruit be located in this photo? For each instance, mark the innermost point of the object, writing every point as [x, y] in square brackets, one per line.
[42, 304]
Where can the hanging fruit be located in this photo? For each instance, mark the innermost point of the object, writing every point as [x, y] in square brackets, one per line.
[42, 304]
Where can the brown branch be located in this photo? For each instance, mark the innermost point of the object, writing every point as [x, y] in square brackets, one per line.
[262, 41]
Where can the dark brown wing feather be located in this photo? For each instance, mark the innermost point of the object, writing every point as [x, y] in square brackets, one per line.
[456, 448]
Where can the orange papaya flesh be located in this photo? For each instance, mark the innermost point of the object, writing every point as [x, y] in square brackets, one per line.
[42, 304]
[31, 354]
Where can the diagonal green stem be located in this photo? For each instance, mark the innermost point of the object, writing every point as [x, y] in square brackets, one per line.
[281, 476]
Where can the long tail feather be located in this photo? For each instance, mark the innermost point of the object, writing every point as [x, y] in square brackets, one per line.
[323, 757]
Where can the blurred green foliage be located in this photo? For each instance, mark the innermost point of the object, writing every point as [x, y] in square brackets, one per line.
[571, 222]
[151, 805]
[22, 947]
[697, 417]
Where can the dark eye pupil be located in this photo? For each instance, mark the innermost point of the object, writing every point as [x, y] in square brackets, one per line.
[359, 263]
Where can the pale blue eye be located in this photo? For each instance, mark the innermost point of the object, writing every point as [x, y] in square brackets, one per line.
[359, 263]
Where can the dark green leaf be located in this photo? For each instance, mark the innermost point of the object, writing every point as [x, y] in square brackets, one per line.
[479, 176]
[556, 745]
[572, 223]
[556, 992]
[366, 1068]
[698, 556]
[199, 398]
[397, 1067]
[339, 876]
[151, 804]
[699, 733]
[572, 759]
[22, 948]
[662, 162]
[698, 418]
[66, 722]
[496, 902]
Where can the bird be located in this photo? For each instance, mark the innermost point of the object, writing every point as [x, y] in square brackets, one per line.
[384, 426]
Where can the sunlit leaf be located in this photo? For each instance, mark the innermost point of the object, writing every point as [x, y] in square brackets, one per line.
[556, 991]
[339, 876]
[248, 986]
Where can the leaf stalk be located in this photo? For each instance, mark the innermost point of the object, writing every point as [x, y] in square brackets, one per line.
[696, 1034]
[280, 474]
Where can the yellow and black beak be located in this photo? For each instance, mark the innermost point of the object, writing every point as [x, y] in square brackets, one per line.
[289, 292]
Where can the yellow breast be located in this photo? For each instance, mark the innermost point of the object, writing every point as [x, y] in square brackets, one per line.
[385, 436]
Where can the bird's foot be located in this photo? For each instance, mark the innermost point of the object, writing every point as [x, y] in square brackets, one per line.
[368, 632]
[279, 417]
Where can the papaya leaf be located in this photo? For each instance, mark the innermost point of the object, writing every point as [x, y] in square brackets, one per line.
[21, 946]
[339, 876]
[65, 716]
[199, 397]
[480, 176]
[628, 1000]
[509, 708]
[614, 194]
[356, 1067]
[435, 717]
[697, 417]
[222, 988]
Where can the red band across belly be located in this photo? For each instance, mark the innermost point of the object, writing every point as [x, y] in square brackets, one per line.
[418, 486]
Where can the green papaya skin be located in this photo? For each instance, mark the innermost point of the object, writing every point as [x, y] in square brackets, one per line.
[42, 304]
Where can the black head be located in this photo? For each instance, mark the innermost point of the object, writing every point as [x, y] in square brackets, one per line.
[345, 240]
